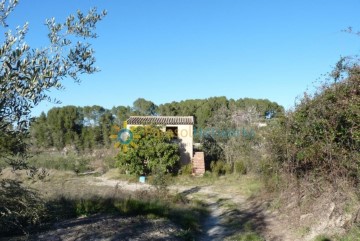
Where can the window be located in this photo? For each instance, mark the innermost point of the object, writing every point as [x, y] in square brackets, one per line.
[174, 130]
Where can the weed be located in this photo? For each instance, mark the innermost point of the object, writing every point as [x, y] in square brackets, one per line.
[322, 238]
[186, 169]
[352, 235]
[185, 235]
[247, 236]
[303, 231]
[240, 168]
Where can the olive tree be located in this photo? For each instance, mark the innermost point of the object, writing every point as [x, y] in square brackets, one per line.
[26, 75]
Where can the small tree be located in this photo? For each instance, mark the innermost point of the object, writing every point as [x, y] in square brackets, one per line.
[150, 150]
[26, 74]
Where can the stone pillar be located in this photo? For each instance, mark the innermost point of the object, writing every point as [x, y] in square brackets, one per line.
[198, 164]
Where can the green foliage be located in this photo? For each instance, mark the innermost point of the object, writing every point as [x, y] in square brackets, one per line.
[270, 176]
[150, 150]
[10, 144]
[322, 238]
[26, 76]
[245, 151]
[240, 168]
[121, 113]
[232, 135]
[63, 125]
[28, 73]
[220, 168]
[322, 135]
[20, 209]
[212, 149]
[89, 127]
[204, 109]
[84, 128]
[248, 236]
[144, 107]
[352, 235]
[186, 169]
[60, 162]
[186, 216]
[249, 233]
[160, 181]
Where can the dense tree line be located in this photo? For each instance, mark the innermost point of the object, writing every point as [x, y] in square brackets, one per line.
[204, 109]
[82, 127]
[201, 109]
[90, 126]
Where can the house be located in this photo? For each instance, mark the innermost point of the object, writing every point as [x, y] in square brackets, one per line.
[181, 126]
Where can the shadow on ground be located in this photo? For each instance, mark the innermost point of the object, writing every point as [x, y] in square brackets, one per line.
[228, 220]
[107, 227]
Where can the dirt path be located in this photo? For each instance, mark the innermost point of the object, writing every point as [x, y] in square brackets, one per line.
[225, 218]
[231, 213]
[213, 229]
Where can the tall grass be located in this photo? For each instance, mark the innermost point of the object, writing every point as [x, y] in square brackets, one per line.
[63, 163]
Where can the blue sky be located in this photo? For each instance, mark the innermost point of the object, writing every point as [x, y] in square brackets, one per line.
[172, 50]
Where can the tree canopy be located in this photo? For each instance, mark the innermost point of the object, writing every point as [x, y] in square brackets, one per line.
[27, 73]
[89, 127]
[150, 150]
[26, 76]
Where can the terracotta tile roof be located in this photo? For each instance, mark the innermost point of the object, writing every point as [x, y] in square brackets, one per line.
[161, 120]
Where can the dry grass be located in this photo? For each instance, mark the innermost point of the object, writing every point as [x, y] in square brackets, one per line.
[68, 195]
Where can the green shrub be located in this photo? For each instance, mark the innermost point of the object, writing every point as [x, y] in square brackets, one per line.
[249, 236]
[21, 208]
[321, 238]
[207, 174]
[322, 135]
[240, 168]
[62, 163]
[160, 181]
[270, 175]
[228, 168]
[221, 168]
[110, 162]
[186, 169]
[151, 150]
[217, 168]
